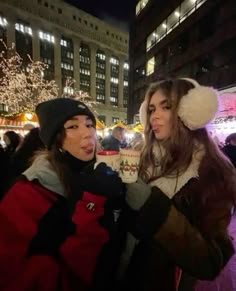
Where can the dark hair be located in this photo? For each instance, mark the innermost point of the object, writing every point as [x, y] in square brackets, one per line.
[118, 129]
[14, 140]
[22, 157]
[56, 158]
[230, 137]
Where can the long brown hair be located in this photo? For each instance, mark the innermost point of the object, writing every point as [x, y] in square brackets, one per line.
[180, 146]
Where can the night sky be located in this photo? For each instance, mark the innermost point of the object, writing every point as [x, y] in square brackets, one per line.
[114, 12]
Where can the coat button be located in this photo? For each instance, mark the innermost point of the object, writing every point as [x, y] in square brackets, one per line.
[90, 206]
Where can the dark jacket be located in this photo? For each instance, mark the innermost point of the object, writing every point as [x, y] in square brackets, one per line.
[230, 151]
[182, 234]
[111, 143]
[5, 171]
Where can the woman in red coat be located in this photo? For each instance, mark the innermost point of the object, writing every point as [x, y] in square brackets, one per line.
[54, 219]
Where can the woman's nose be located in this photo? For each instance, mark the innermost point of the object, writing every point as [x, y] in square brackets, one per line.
[157, 114]
[89, 132]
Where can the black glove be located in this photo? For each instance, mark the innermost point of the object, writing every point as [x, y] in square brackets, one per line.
[53, 229]
[102, 181]
[152, 215]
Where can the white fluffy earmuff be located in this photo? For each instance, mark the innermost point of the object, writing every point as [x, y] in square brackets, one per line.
[199, 106]
[143, 113]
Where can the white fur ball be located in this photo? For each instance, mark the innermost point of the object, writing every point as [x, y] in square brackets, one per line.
[198, 107]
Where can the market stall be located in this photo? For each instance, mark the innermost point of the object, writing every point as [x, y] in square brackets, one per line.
[225, 121]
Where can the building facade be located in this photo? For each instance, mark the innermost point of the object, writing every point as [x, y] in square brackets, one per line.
[181, 38]
[73, 44]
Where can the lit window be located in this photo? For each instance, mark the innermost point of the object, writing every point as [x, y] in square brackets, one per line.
[101, 56]
[68, 90]
[150, 66]
[182, 12]
[114, 61]
[69, 55]
[63, 43]
[23, 28]
[3, 21]
[126, 84]
[114, 80]
[126, 66]
[164, 25]
[46, 36]
[115, 119]
[140, 5]
[177, 14]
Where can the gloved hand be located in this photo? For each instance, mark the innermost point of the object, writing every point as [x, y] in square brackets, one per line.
[137, 194]
[101, 181]
[152, 215]
[53, 229]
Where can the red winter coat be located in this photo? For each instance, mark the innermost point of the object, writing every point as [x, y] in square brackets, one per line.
[20, 212]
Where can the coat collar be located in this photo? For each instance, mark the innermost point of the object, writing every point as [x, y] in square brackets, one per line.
[42, 171]
[171, 185]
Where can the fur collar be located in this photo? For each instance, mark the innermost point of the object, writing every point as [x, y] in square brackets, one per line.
[171, 185]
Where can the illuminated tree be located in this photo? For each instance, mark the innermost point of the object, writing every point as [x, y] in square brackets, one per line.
[23, 87]
[71, 92]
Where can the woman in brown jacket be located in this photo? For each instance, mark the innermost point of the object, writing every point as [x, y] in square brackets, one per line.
[185, 197]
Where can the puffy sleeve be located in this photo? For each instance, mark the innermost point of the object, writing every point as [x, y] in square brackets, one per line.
[201, 254]
[20, 211]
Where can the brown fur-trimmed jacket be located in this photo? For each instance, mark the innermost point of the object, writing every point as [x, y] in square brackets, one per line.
[186, 233]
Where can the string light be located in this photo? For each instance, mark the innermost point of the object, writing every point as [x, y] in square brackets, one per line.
[71, 92]
[23, 87]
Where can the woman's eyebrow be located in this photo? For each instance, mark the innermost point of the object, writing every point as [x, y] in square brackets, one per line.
[162, 102]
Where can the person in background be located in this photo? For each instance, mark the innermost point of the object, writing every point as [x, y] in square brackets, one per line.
[184, 200]
[230, 148]
[114, 142]
[2, 143]
[58, 231]
[12, 141]
[137, 142]
[21, 158]
[99, 143]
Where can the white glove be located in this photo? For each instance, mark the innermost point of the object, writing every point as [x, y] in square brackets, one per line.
[137, 194]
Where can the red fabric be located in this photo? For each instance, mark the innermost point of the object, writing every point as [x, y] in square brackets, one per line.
[178, 274]
[20, 211]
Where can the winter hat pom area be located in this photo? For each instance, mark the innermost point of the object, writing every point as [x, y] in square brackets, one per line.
[198, 107]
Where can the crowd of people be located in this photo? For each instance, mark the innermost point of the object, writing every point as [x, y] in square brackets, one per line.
[67, 223]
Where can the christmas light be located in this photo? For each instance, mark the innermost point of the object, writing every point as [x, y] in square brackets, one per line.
[23, 87]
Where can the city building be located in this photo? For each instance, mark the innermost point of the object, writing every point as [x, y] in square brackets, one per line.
[73, 44]
[180, 38]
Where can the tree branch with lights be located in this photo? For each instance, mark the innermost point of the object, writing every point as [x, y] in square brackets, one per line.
[22, 87]
[71, 92]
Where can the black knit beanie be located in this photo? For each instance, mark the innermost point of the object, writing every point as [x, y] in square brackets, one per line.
[52, 115]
